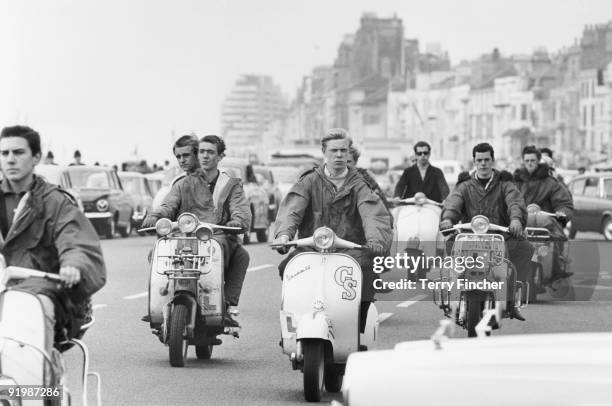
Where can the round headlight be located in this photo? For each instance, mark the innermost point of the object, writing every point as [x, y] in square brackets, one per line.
[420, 198]
[102, 205]
[187, 223]
[533, 208]
[323, 238]
[163, 227]
[543, 250]
[480, 224]
[204, 233]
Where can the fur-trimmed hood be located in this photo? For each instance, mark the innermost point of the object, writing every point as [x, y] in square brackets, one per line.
[522, 175]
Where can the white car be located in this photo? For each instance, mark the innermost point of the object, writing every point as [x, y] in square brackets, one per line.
[58, 175]
[540, 369]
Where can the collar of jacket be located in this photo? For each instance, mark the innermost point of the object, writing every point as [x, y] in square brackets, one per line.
[497, 176]
[352, 178]
[522, 175]
[29, 207]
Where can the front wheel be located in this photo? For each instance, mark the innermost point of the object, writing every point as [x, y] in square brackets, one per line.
[127, 230]
[569, 230]
[333, 378]
[606, 228]
[204, 351]
[111, 227]
[177, 340]
[314, 369]
[474, 303]
[535, 281]
[262, 235]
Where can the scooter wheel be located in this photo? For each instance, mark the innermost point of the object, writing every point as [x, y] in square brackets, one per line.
[177, 340]
[204, 351]
[314, 369]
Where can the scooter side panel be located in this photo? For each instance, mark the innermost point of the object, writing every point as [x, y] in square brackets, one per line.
[330, 283]
[416, 221]
[24, 364]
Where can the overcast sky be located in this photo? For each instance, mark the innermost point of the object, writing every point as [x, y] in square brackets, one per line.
[106, 76]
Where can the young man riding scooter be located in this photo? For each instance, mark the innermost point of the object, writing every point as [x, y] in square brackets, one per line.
[491, 193]
[539, 186]
[336, 196]
[422, 177]
[216, 198]
[43, 229]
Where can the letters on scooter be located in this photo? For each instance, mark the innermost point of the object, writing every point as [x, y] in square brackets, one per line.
[343, 278]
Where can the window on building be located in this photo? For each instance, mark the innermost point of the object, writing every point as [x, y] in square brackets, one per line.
[593, 115]
[584, 116]
[513, 113]
[524, 112]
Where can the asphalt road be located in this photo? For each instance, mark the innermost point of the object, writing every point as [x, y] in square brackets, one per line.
[252, 370]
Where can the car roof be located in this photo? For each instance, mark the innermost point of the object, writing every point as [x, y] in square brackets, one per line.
[89, 167]
[131, 174]
[592, 175]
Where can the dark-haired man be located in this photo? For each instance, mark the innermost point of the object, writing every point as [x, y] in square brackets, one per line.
[185, 149]
[42, 228]
[539, 187]
[491, 193]
[422, 177]
[214, 197]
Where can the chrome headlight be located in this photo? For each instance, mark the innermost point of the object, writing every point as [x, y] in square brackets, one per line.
[102, 205]
[480, 224]
[420, 198]
[188, 223]
[204, 233]
[163, 227]
[533, 208]
[323, 238]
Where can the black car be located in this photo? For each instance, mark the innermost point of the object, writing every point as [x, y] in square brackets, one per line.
[107, 205]
[592, 204]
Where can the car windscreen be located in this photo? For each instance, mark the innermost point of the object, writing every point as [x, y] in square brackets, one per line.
[90, 179]
[51, 175]
[132, 185]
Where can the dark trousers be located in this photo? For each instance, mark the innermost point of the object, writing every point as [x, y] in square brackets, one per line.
[236, 262]
[364, 259]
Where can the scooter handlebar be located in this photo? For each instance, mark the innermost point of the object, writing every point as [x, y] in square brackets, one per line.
[17, 272]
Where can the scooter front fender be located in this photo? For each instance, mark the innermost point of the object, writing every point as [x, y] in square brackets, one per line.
[315, 325]
[191, 304]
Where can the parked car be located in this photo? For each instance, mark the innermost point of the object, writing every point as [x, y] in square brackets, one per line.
[135, 184]
[58, 175]
[265, 177]
[170, 175]
[155, 181]
[107, 205]
[286, 177]
[592, 204]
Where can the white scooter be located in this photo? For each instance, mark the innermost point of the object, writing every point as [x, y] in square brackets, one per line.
[29, 374]
[319, 316]
[416, 220]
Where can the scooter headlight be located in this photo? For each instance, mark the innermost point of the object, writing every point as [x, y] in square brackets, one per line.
[323, 238]
[480, 224]
[187, 223]
[543, 250]
[533, 208]
[420, 198]
[163, 227]
[204, 233]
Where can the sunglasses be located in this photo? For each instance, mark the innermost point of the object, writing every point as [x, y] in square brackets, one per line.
[422, 153]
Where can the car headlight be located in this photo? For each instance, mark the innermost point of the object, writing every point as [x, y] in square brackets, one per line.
[163, 227]
[323, 238]
[102, 205]
[420, 198]
[543, 250]
[533, 208]
[204, 233]
[480, 224]
[188, 223]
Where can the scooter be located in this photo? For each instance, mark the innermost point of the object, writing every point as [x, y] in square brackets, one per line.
[416, 221]
[186, 299]
[30, 374]
[541, 271]
[319, 316]
[477, 292]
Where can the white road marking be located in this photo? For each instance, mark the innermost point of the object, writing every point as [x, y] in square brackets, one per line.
[595, 287]
[414, 300]
[137, 296]
[260, 267]
[384, 316]
[98, 306]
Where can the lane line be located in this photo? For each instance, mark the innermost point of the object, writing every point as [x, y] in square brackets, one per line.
[136, 296]
[384, 316]
[98, 306]
[260, 267]
[416, 299]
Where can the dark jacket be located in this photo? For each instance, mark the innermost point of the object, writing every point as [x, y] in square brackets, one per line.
[354, 212]
[434, 185]
[544, 190]
[501, 201]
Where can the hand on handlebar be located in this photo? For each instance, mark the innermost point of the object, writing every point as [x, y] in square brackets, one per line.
[148, 222]
[282, 240]
[515, 228]
[375, 248]
[70, 275]
[445, 225]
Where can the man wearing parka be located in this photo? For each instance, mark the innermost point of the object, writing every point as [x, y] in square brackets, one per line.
[213, 196]
[336, 196]
[42, 228]
[539, 186]
[491, 193]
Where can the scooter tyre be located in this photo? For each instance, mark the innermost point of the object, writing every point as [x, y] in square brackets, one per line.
[474, 302]
[333, 378]
[204, 351]
[177, 342]
[314, 369]
[534, 277]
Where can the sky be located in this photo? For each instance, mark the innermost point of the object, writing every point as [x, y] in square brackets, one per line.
[110, 77]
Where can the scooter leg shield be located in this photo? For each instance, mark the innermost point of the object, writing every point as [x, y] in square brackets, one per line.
[316, 326]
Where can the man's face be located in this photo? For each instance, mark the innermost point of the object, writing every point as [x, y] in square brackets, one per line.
[530, 161]
[16, 158]
[208, 156]
[484, 164]
[422, 156]
[336, 155]
[546, 154]
[187, 160]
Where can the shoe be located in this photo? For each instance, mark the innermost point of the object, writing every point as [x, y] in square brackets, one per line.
[233, 311]
[363, 347]
[515, 313]
[146, 318]
[228, 321]
[215, 341]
